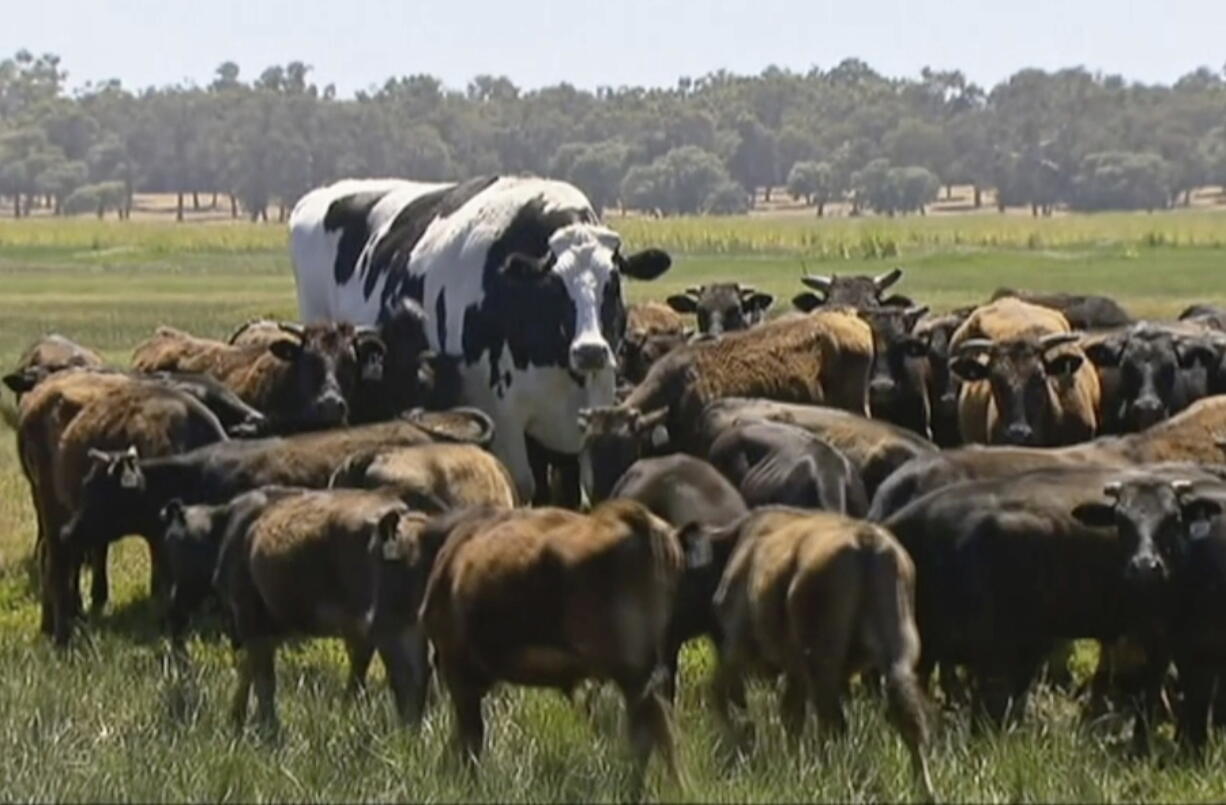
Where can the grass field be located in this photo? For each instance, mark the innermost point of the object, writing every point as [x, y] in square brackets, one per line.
[106, 722]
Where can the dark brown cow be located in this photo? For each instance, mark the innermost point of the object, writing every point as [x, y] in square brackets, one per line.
[549, 598]
[302, 383]
[898, 385]
[1083, 311]
[943, 385]
[723, 307]
[322, 563]
[817, 596]
[857, 291]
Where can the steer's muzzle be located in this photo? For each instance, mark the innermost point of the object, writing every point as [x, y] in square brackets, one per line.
[1019, 433]
[1145, 569]
[331, 409]
[592, 357]
[1147, 411]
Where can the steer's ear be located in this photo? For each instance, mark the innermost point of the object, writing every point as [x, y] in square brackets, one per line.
[969, 369]
[386, 538]
[1104, 353]
[758, 302]
[682, 303]
[286, 349]
[23, 381]
[646, 265]
[1198, 513]
[807, 301]
[1095, 515]
[1193, 351]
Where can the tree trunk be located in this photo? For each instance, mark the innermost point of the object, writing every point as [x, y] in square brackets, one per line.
[978, 197]
[233, 206]
[213, 203]
[1034, 210]
[1000, 205]
[101, 208]
[766, 193]
[17, 205]
[281, 212]
[922, 211]
[821, 209]
[195, 201]
[949, 192]
[179, 207]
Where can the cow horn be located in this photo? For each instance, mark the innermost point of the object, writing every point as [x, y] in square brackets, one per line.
[1112, 490]
[694, 291]
[817, 282]
[974, 345]
[1181, 487]
[887, 279]
[1054, 340]
[292, 328]
[746, 290]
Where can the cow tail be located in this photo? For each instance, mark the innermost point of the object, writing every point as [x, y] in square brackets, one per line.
[9, 415]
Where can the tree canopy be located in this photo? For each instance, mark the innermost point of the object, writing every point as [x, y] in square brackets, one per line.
[709, 144]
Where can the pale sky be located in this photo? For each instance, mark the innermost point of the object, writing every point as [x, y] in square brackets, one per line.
[358, 43]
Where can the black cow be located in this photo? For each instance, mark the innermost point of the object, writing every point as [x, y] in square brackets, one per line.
[1083, 311]
[723, 306]
[856, 291]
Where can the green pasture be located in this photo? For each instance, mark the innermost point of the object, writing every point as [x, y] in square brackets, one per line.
[105, 721]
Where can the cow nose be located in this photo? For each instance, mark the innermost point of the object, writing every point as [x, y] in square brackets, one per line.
[882, 386]
[1146, 568]
[333, 408]
[590, 357]
[1020, 433]
[1148, 410]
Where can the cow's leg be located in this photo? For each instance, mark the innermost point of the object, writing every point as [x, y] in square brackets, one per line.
[405, 676]
[100, 584]
[360, 652]
[261, 653]
[1198, 679]
[793, 704]
[242, 690]
[509, 444]
[467, 690]
[650, 727]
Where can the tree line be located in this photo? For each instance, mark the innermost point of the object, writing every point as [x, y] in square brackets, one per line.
[707, 145]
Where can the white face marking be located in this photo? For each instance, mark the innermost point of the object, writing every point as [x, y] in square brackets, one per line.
[585, 264]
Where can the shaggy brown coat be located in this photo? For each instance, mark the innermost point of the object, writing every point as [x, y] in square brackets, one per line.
[46, 356]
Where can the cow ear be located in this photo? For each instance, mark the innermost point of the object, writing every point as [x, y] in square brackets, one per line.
[385, 528]
[23, 381]
[1095, 515]
[696, 545]
[759, 302]
[682, 303]
[1104, 353]
[286, 349]
[969, 369]
[647, 264]
[1193, 352]
[916, 348]
[1066, 365]
[1199, 513]
[807, 301]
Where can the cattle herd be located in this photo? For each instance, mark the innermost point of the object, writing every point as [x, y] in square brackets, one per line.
[473, 459]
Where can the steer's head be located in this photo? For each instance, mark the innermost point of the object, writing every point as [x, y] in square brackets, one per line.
[577, 281]
[849, 291]
[614, 437]
[321, 370]
[723, 306]
[1019, 371]
[1156, 520]
[899, 374]
[1150, 361]
[111, 503]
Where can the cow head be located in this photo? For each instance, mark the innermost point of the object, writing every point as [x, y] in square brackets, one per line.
[1156, 520]
[1160, 372]
[585, 264]
[858, 291]
[898, 384]
[640, 351]
[723, 306]
[943, 385]
[111, 503]
[321, 372]
[191, 536]
[615, 437]
[1019, 372]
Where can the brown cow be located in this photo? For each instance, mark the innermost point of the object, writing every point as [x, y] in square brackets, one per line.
[46, 356]
[549, 598]
[432, 477]
[301, 383]
[63, 423]
[653, 330]
[816, 596]
[855, 291]
[323, 563]
[1026, 379]
[821, 358]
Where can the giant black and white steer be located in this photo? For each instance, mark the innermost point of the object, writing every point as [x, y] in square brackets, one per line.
[517, 275]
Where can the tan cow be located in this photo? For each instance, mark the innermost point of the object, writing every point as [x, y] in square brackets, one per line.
[817, 596]
[432, 477]
[1027, 381]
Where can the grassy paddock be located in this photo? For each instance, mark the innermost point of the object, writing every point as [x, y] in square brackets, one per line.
[106, 722]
